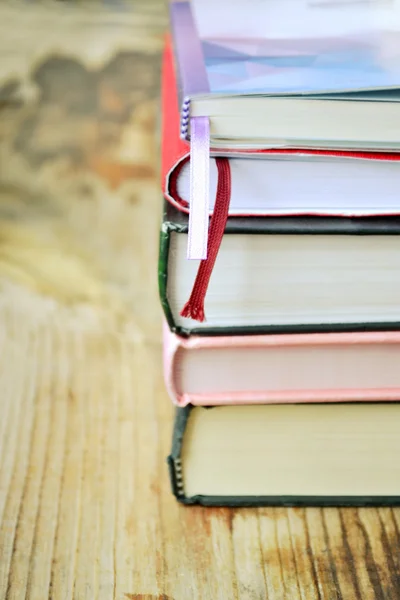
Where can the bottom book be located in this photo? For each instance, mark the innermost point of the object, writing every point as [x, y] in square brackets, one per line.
[292, 455]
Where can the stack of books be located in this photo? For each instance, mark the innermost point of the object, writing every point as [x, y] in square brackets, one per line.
[279, 267]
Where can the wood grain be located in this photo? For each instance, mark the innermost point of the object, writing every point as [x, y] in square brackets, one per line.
[86, 510]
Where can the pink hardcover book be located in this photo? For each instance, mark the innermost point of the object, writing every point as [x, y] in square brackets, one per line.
[257, 369]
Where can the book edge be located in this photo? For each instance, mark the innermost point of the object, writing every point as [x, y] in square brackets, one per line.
[174, 458]
[188, 50]
[290, 501]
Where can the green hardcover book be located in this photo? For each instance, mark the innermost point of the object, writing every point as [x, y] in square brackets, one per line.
[286, 274]
[292, 455]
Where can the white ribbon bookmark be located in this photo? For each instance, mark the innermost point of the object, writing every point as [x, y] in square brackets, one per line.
[199, 188]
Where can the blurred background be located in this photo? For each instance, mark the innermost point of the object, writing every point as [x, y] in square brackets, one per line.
[79, 181]
[82, 450]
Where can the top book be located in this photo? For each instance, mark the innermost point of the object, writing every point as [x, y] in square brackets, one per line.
[287, 46]
[260, 69]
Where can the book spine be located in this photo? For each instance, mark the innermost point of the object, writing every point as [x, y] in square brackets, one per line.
[174, 459]
[165, 235]
[172, 345]
[163, 273]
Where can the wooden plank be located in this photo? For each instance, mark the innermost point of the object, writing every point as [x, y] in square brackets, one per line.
[85, 504]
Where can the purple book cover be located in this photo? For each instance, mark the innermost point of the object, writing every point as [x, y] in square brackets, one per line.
[228, 47]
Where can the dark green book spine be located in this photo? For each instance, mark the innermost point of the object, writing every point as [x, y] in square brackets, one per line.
[174, 459]
[167, 227]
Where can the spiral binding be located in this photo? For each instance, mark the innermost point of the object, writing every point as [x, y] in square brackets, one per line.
[185, 118]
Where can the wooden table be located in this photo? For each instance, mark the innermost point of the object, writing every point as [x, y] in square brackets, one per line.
[85, 423]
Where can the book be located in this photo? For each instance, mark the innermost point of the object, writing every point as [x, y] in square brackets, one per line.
[280, 181]
[285, 275]
[259, 369]
[301, 184]
[287, 454]
[289, 72]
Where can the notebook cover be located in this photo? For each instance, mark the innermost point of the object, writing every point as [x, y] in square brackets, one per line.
[175, 473]
[176, 152]
[276, 47]
[177, 222]
[172, 343]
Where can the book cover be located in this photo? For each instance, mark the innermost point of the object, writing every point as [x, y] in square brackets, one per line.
[285, 46]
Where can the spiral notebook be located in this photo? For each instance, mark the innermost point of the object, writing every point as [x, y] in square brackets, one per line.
[257, 72]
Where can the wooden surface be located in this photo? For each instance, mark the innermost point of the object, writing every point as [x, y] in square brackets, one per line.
[85, 424]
